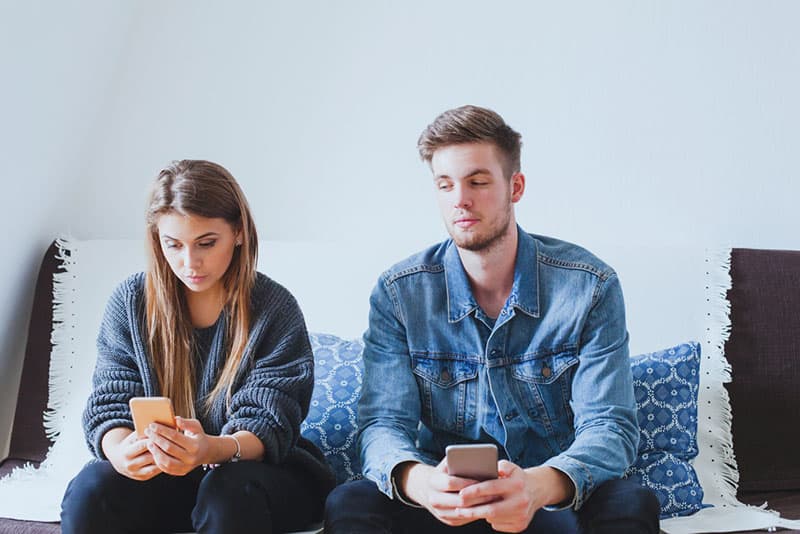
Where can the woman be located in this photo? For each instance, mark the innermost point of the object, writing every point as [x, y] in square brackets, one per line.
[229, 347]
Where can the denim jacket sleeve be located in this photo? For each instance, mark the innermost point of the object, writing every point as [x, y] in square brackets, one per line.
[606, 429]
[389, 407]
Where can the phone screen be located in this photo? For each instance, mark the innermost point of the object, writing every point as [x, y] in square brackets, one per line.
[476, 461]
[146, 410]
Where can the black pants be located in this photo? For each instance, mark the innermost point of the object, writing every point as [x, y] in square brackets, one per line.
[246, 496]
[616, 507]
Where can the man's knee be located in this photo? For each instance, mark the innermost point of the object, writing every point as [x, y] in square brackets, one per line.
[622, 506]
[363, 492]
[357, 506]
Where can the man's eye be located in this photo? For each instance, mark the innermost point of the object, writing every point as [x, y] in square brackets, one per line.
[444, 186]
[480, 183]
[170, 244]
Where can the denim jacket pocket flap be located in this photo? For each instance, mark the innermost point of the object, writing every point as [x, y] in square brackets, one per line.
[444, 373]
[546, 369]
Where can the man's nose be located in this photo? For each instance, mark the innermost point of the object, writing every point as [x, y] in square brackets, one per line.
[463, 197]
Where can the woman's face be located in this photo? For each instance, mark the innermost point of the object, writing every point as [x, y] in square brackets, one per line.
[198, 249]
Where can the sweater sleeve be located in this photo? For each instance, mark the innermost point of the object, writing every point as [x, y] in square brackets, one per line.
[274, 395]
[116, 376]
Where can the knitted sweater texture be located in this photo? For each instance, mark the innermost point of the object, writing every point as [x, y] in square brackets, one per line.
[270, 397]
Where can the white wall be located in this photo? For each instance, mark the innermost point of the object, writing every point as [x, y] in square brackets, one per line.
[56, 63]
[652, 130]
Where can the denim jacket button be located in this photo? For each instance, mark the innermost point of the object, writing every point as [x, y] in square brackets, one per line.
[494, 352]
[445, 375]
[546, 372]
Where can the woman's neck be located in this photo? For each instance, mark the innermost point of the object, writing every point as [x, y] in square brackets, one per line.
[205, 307]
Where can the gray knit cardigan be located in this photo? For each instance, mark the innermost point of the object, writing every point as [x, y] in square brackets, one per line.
[270, 395]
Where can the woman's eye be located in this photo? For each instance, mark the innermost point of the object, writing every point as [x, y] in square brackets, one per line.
[207, 244]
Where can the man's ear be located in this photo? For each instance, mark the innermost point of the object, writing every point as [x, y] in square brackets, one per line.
[517, 186]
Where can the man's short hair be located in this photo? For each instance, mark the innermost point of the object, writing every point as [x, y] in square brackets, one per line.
[472, 124]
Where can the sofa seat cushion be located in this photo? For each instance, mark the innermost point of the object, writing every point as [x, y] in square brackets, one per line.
[12, 526]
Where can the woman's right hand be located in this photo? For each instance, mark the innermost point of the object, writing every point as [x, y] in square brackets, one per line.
[128, 454]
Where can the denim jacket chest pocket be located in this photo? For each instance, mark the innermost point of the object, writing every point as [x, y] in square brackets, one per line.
[448, 386]
[544, 385]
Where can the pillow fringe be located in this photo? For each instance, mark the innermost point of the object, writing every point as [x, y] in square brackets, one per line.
[64, 350]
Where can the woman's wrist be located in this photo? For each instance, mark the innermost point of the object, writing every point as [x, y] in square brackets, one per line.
[225, 448]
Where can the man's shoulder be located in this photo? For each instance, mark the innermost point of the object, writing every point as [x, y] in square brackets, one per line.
[560, 254]
[429, 260]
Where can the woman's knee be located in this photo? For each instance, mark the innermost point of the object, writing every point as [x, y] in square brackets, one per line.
[85, 507]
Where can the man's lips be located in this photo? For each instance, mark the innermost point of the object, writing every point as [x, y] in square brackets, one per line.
[465, 222]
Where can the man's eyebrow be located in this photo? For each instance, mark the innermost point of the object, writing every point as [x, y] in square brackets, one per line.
[475, 172]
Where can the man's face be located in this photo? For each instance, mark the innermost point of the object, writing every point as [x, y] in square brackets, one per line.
[475, 197]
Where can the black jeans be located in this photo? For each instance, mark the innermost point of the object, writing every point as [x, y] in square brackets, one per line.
[250, 497]
[615, 507]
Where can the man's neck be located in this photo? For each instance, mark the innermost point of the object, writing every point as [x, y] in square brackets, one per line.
[491, 272]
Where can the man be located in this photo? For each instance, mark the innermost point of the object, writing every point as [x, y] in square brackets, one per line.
[494, 336]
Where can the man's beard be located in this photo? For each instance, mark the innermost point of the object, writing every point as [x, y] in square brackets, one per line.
[482, 242]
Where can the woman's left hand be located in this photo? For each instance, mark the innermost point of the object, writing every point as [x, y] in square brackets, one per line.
[178, 451]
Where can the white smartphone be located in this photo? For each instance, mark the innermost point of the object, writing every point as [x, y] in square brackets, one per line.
[477, 461]
[146, 410]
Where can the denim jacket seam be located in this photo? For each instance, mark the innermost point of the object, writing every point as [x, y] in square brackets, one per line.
[392, 292]
[599, 290]
[393, 276]
[577, 265]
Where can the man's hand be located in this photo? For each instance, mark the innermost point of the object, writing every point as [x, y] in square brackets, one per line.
[515, 496]
[437, 491]
[128, 454]
[177, 451]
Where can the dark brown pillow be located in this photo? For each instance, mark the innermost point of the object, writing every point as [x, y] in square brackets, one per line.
[764, 351]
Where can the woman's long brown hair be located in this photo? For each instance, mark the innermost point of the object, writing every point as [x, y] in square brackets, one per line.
[196, 187]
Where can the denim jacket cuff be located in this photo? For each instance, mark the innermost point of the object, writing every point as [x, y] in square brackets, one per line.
[383, 475]
[578, 473]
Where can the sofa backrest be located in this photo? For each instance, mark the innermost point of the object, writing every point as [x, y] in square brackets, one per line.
[764, 353]
[28, 439]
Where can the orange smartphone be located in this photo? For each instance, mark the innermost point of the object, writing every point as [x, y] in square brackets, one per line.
[477, 461]
[146, 410]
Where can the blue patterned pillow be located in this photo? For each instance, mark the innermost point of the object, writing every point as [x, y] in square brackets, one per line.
[331, 420]
[665, 385]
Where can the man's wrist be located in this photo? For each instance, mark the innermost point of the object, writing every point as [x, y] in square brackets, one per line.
[401, 475]
[560, 487]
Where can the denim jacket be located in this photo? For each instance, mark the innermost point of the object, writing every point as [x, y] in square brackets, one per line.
[548, 381]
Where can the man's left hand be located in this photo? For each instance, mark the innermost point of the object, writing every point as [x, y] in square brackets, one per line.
[518, 493]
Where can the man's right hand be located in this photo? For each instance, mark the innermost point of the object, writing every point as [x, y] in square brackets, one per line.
[434, 489]
[128, 454]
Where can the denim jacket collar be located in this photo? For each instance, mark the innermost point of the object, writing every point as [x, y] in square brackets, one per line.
[524, 292]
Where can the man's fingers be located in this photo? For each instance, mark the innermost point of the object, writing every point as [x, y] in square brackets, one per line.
[442, 482]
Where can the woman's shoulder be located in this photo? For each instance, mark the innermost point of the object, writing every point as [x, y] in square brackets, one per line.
[131, 288]
[268, 293]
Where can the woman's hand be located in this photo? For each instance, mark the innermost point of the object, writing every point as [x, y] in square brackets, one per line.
[129, 454]
[177, 451]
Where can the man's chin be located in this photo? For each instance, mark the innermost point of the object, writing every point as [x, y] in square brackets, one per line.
[471, 243]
